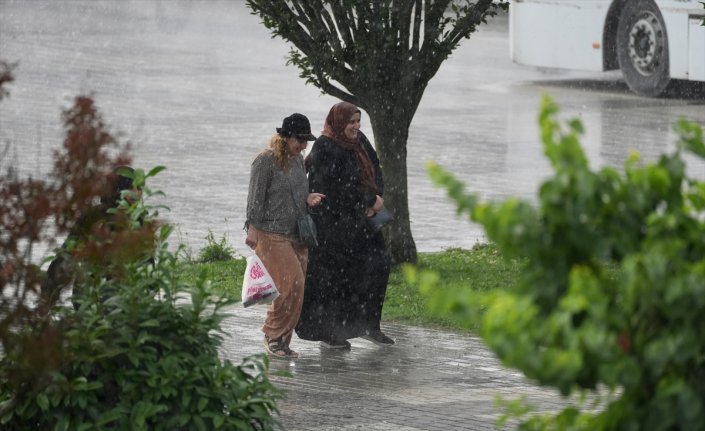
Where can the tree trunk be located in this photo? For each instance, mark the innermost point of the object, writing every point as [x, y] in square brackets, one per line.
[391, 131]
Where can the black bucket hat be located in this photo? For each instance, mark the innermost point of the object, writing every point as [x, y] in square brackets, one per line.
[296, 125]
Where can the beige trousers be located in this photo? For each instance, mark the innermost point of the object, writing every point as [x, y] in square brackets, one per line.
[286, 262]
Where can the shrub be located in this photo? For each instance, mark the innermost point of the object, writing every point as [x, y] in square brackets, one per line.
[215, 251]
[141, 351]
[141, 361]
[613, 292]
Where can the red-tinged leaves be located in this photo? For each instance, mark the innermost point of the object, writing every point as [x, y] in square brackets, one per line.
[38, 214]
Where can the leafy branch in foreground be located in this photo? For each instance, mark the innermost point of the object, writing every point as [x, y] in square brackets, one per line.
[611, 302]
[141, 349]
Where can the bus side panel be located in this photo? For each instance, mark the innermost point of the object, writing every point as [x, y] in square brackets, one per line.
[685, 38]
[677, 30]
[558, 33]
[696, 44]
[685, 49]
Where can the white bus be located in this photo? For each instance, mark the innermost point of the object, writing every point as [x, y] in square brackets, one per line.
[651, 41]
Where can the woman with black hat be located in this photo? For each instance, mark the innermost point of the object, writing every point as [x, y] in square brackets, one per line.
[277, 197]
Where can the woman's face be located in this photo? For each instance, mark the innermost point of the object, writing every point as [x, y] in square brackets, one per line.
[294, 145]
[353, 126]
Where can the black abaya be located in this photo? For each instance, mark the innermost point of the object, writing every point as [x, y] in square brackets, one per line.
[348, 272]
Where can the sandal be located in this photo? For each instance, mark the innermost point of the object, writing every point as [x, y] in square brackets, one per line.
[277, 349]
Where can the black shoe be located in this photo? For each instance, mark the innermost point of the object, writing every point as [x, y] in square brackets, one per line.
[378, 338]
[335, 344]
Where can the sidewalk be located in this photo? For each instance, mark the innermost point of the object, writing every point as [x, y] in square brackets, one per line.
[430, 380]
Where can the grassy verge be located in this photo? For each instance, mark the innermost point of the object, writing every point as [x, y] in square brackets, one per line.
[461, 272]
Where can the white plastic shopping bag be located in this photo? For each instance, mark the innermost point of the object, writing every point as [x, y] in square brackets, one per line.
[257, 285]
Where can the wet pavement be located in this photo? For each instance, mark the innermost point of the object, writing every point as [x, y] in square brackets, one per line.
[429, 380]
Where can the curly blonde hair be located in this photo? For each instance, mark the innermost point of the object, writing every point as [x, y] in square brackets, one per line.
[277, 144]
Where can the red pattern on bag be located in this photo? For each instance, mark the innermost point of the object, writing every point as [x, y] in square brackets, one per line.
[257, 284]
[256, 272]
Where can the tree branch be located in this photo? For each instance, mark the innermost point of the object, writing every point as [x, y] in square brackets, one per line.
[305, 29]
[433, 19]
[329, 88]
[465, 25]
[418, 7]
[402, 20]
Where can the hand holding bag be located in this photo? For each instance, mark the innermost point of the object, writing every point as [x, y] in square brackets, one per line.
[381, 217]
[257, 285]
[307, 228]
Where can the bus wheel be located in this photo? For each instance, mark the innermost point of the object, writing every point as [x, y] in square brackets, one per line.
[642, 48]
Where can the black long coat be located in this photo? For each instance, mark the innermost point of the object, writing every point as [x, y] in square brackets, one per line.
[348, 272]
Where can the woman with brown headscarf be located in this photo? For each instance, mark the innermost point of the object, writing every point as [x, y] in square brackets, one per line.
[348, 271]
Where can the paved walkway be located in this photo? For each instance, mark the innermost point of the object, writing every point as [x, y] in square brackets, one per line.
[430, 380]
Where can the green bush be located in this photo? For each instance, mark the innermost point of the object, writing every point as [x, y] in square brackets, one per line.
[215, 251]
[144, 359]
[141, 351]
[611, 303]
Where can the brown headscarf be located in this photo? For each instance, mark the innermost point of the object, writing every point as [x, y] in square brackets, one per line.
[334, 127]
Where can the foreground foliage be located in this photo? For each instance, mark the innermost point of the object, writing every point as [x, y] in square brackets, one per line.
[612, 299]
[139, 361]
[141, 350]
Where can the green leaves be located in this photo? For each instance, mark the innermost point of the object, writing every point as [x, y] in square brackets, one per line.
[690, 137]
[613, 292]
[215, 251]
[455, 189]
[140, 353]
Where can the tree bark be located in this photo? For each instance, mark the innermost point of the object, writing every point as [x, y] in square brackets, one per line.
[390, 134]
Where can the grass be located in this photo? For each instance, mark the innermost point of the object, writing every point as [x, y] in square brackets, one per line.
[461, 272]
[225, 276]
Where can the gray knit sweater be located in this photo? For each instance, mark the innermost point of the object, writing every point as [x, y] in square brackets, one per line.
[270, 205]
